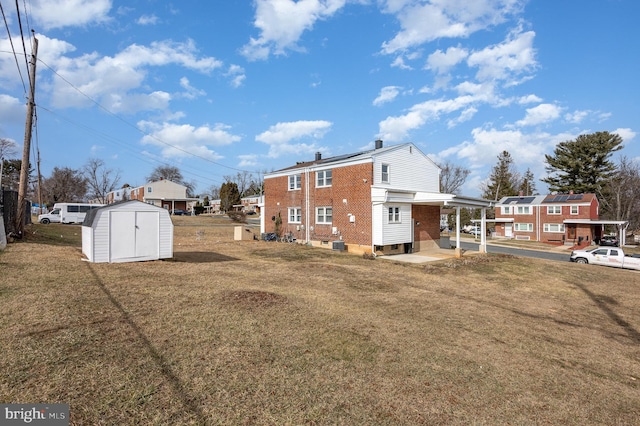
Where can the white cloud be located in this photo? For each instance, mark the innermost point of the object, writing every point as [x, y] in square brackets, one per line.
[50, 14]
[190, 91]
[12, 110]
[529, 99]
[387, 94]
[185, 140]
[148, 20]
[248, 160]
[576, 116]
[466, 115]
[280, 136]
[108, 79]
[626, 134]
[237, 75]
[541, 114]
[425, 21]
[282, 23]
[441, 62]
[513, 57]
[395, 129]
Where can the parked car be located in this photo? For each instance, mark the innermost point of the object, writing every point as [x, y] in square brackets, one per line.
[475, 232]
[178, 212]
[609, 240]
[614, 257]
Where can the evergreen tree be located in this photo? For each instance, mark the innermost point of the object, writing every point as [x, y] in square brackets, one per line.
[582, 165]
[503, 180]
[527, 184]
[229, 196]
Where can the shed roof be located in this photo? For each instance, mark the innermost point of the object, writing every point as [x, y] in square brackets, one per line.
[91, 214]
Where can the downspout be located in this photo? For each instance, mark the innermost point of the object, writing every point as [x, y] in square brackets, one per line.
[307, 203]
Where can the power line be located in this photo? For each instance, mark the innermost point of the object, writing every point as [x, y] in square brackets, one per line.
[136, 127]
[24, 47]
[6, 24]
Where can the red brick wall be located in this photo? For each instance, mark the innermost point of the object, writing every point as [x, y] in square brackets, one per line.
[352, 183]
[428, 229]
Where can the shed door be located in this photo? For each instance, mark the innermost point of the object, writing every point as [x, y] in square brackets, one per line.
[134, 235]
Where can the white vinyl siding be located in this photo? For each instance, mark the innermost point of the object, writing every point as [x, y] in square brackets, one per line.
[385, 233]
[408, 170]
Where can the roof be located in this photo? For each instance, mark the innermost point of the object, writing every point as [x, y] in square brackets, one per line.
[91, 214]
[345, 158]
[547, 199]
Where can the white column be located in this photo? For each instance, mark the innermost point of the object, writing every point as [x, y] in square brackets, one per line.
[483, 232]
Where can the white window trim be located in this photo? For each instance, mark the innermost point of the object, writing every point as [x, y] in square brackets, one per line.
[297, 213]
[528, 208]
[394, 215]
[324, 183]
[517, 227]
[507, 210]
[554, 212]
[324, 215]
[382, 174]
[296, 180]
[547, 228]
[577, 210]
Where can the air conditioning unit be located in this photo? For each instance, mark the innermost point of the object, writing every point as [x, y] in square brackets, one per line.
[338, 245]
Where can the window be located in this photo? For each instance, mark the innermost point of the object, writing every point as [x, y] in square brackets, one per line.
[554, 227]
[394, 214]
[524, 210]
[324, 215]
[295, 182]
[554, 209]
[295, 215]
[574, 210]
[385, 173]
[323, 178]
[149, 189]
[73, 209]
[613, 253]
[523, 227]
[506, 209]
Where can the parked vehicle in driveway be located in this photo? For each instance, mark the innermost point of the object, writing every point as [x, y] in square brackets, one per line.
[609, 240]
[613, 257]
[67, 213]
[178, 212]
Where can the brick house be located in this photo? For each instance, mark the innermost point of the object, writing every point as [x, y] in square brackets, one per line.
[556, 218]
[162, 193]
[384, 200]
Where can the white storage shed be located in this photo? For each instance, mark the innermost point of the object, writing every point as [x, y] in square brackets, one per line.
[127, 231]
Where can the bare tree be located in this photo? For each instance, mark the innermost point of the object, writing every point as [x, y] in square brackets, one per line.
[620, 197]
[8, 148]
[100, 179]
[452, 177]
[64, 185]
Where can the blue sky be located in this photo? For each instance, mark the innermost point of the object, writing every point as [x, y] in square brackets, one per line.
[218, 87]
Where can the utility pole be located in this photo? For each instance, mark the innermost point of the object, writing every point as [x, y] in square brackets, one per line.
[24, 169]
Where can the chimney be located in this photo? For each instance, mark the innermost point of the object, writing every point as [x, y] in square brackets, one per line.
[318, 156]
[571, 192]
[521, 194]
[378, 143]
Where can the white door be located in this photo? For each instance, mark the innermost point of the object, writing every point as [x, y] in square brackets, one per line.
[508, 230]
[134, 235]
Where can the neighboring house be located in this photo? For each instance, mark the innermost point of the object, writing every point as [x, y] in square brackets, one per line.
[385, 200]
[556, 218]
[162, 193]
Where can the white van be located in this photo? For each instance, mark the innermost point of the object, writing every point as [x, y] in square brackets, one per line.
[67, 213]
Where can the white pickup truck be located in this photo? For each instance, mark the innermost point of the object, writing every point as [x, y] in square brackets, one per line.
[606, 256]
